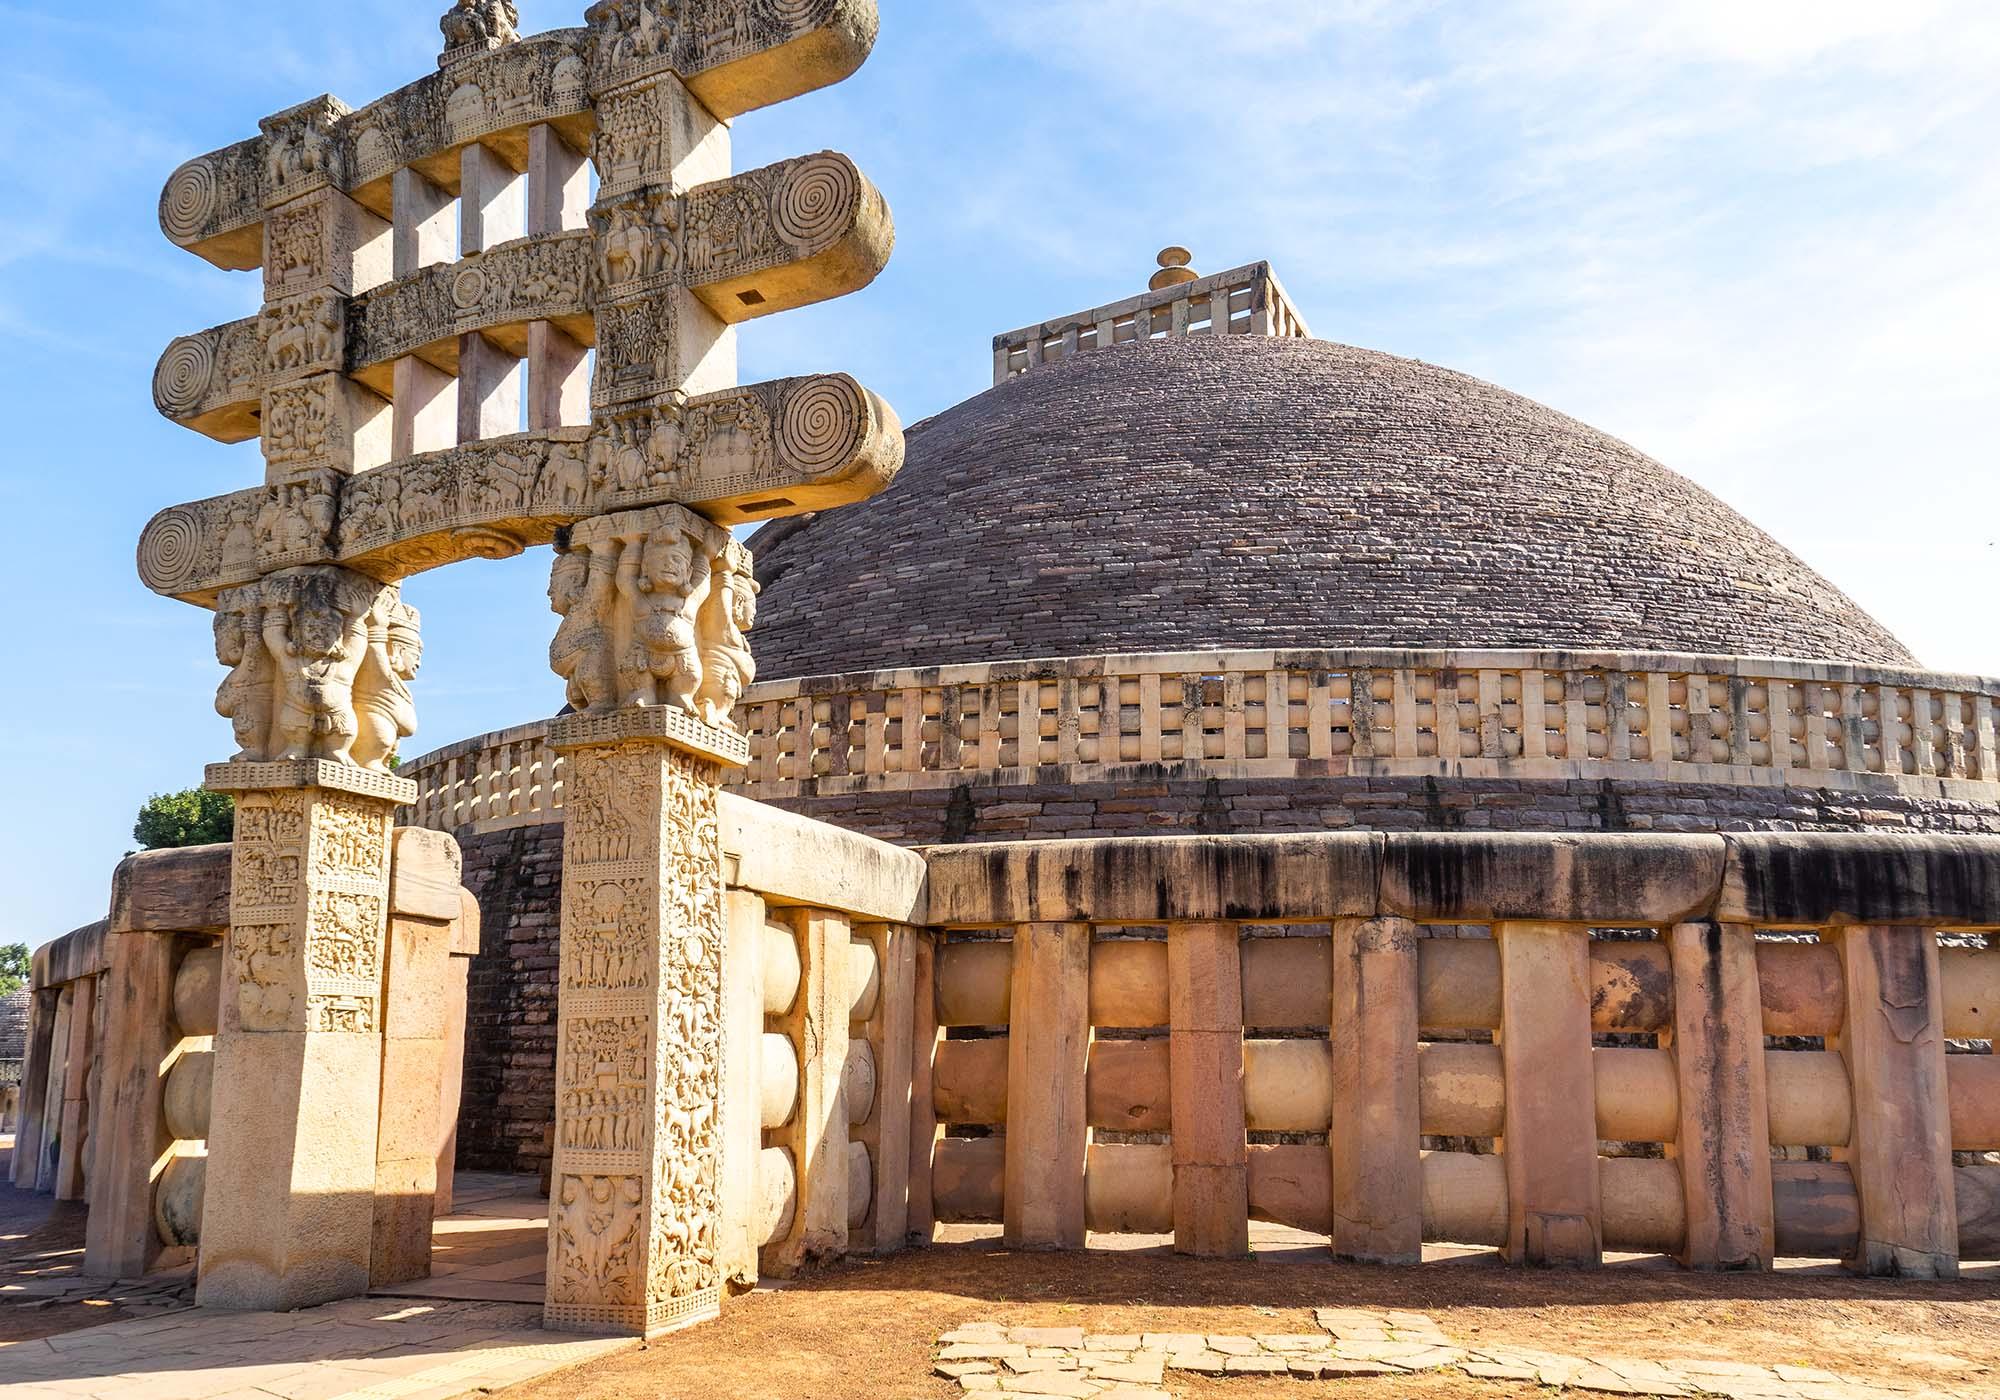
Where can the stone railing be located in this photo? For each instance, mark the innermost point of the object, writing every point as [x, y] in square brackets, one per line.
[1182, 1034]
[117, 1086]
[1499, 715]
[1243, 301]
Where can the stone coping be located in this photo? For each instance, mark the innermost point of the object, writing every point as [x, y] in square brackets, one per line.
[1808, 880]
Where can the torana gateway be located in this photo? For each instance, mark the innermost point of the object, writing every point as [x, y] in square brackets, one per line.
[1212, 775]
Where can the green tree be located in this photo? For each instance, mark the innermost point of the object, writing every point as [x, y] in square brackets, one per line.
[13, 967]
[195, 817]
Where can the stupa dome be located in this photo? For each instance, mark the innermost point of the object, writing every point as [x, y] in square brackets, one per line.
[1242, 491]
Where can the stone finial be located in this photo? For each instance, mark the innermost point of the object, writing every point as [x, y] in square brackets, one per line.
[477, 26]
[1174, 269]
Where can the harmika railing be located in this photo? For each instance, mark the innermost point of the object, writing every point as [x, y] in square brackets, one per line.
[1518, 714]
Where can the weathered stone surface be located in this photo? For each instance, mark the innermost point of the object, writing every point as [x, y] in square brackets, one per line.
[1153, 880]
[1477, 879]
[793, 861]
[1785, 878]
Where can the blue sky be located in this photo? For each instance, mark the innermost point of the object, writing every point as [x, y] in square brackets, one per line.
[1754, 237]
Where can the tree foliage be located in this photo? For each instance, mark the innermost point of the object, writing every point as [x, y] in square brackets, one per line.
[13, 967]
[195, 817]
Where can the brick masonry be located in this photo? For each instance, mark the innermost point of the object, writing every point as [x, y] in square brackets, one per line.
[510, 1021]
[1251, 493]
[517, 875]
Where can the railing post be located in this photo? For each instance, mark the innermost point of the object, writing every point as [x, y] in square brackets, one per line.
[1048, 1056]
[1724, 1142]
[1554, 1215]
[1205, 1039]
[923, 1101]
[35, 1086]
[882, 1020]
[1378, 1189]
[1900, 1147]
[817, 1133]
[55, 1091]
[738, 1188]
[74, 1113]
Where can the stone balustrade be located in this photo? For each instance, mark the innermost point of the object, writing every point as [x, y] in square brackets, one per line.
[1242, 301]
[1495, 715]
[119, 1078]
[1559, 1046]
[1175, 1035]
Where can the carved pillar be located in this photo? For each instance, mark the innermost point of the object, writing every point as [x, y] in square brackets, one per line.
[289, 1207]
[633, 1199]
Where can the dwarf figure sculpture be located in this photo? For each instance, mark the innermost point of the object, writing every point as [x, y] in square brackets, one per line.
[385, 710]
[727, 668]
[317, 630]
[662, 581]
[581, 592]
[245, 696]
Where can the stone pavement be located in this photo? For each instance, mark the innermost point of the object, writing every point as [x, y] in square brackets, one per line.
[362, 1349]
[1064, 1362]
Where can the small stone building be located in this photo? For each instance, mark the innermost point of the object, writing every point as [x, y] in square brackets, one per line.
[1185, 568]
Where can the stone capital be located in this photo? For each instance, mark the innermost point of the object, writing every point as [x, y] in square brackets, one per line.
[291, 775]
[651, 724]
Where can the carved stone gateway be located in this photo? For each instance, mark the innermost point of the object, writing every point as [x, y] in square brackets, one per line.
[384, 377]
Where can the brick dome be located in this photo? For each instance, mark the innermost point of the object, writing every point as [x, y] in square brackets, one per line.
[1243, 492]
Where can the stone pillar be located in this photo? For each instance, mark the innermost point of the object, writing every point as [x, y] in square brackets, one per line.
[1900, 1148]
[451, 1081]
[742, 1123]
[924, 1132]
[1550, 1139]
[634, 1199]
[1724, 1143]
[288, 1212]
[1376, 1141]
[816, 1135]
[74, 1140]
[34, 1087]
[132, 1141]
[1048, 1055]
[417, 1021]
[55, 1091]
[883, 1127]
[1211, 1157]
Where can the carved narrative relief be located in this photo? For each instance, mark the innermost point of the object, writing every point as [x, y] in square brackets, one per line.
[740, 454]
[308, 911]
[656, 600]
[640, 1041]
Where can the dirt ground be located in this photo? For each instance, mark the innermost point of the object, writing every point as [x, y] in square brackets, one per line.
[41, 1237]
[866, 1330]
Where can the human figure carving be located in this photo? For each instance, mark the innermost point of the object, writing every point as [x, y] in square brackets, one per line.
[385, 710]
[726, 664]
[581, 592]
[662, 581]
[245, 695]
[318, 636]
